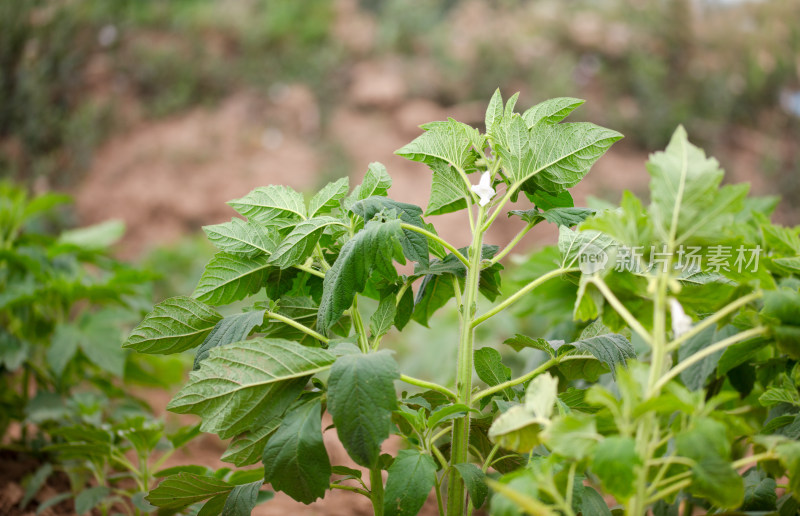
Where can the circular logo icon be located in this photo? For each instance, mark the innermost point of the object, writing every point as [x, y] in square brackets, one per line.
[592, 259]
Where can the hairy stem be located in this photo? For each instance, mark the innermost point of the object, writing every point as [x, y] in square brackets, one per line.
[447, 245]
[511, 245]
[376, 490]
[621, 310]
[297, 325]
[428, 385]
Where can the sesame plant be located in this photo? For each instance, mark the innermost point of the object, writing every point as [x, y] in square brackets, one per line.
[318, 289]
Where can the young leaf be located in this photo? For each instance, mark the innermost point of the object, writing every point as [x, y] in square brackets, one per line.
[491, 370]
[415, 246]
[448, 190]
[328, 198]
[590, 250]
[450, 141]
[267, 203]
[370, 251]
[243, 237]
[242, 499]
[237, 382]
[87, 499]
[494, 112]
[559, 216]
[174, 325]
[612, 349]
[376, 182]
[295, 460]
[518, 342]
[475, 480]
[230, 329]
[695, 376]
[300, 243]
[248, 448]
[361, 398]
[614, 462]
[593, 503]
[551, 111]
[184, 489]
[383, 318]
[228, 278]
[412, 475]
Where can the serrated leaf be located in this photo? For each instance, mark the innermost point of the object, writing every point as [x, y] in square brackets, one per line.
[559, 216]
[611, 349]
[519, 428]
[494, 111]
[593, 503]
[248, 448]
[412, 475]
[475, 480]
[300, 242]
[228, 278]
[361, 398]
[384, 316]
[376, 182]
[591, 251]
[519, 342]
[404, 310]
[267, 203]
[683, 176]
[184, 489]
[511, 103]
[242, 499]
[491, 370]
[233, 328]
[448, 190]
[445, 413]
[174, 325]
[371, 251]
[434, 292]
[295, 460]
[551, 111]
[415, 246]
[540, 396]
[328, 198]
[238, 382]
[243, 237]
[615, 462]
[759, 492]
[695, 376]
[450, 141]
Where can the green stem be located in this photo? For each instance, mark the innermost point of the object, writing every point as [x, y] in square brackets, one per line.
[518, 295]
[436, 238]
[708, 321]
[460, 442]
[621, 310]
[295, 324]
[428, 385]
[376, 490]
[516, 381]
[360, 328]
[753, 458]
[710, 350]
[488, 461]
[351, 488]
[309, 270]
[511, 245]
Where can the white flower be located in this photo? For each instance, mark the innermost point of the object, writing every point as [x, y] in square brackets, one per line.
[484, 189]
[681, 323]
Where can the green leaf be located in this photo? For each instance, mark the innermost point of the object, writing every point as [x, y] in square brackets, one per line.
[519, 427]
[683, 176]
[295, 460]
[89, 498]
[592, 251]
[328, 198]
[559, 216]
[266, 203]
[214, 506]
[62, 349]
[370, 251]
[242, 499]
[615, 462]
[759, 492]
[572, 435]
[35, 482]
[434, 292]
[184, 489]
[174, 325]
[415, 246]
[376, 182]
[713, 477]
[405, 308]
[448, 190]
[248, 448]
[96, 237]
[412, 475]
[612, 349]
[475, 480]
[450, 141]
[789, 456]
[384, 316]
[593, 503]
[695, 376]
[243, 237]
[299, 244]
[519, 342]
[238, 382]
[100, 341]
[52, 501]
[233, 328]
[629, 224]
[361, 398]
[228, 278]
[774, 396]
[444, 413]
[551, 111]
[494, 112]
[490, 369]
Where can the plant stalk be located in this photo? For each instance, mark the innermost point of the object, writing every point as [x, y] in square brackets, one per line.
[376, 490]
[460, 443]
